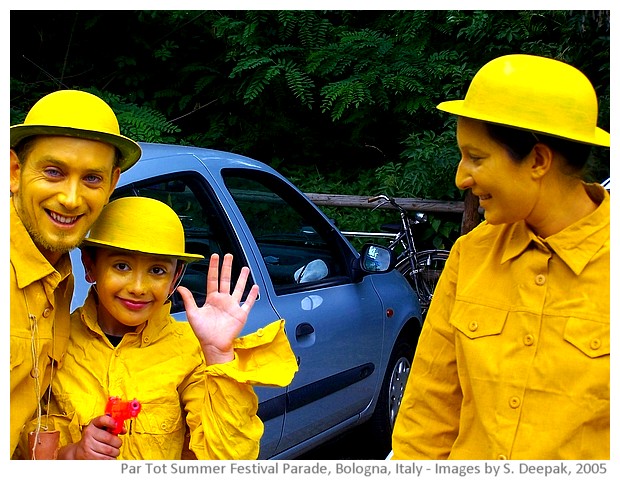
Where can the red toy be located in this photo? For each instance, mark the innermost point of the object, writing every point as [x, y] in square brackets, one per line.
[121, 411]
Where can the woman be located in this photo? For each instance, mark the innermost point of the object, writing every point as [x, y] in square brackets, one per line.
[513, 359]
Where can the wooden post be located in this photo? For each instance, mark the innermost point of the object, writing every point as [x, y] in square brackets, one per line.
[471, 217]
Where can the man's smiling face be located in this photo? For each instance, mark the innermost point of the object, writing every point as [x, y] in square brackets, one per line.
[60, 189]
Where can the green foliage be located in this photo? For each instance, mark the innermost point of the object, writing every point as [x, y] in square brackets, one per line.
[140, 122]
[166, 50]
[343, 100]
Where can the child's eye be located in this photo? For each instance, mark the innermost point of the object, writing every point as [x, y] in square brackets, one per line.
[122, 266]
[159, 270]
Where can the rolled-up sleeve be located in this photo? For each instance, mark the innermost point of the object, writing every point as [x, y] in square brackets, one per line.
[228, 426]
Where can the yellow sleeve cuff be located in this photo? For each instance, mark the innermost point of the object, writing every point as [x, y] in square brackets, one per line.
[263, 358]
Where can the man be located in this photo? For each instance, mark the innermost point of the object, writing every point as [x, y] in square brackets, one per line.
[66, 159]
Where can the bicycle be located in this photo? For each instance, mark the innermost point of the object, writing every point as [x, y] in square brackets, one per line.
[421, 268]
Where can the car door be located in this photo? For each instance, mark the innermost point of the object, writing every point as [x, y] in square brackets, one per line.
[335, 325]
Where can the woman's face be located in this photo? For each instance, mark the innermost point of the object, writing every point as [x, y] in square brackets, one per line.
[131, 287]
[506, 189]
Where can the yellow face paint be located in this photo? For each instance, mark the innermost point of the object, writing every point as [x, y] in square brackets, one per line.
[132, 287]
[505, 188]
[60, 189]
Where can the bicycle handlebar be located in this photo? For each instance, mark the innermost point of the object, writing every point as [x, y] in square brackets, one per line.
[378, 197]
[417, 218]
[386, 199]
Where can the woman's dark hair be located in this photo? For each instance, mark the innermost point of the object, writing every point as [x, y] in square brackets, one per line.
[520, 142]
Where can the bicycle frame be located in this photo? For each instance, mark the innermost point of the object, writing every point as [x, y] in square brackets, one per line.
[408, 260]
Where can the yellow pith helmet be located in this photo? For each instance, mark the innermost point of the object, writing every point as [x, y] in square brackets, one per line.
[74, 113]
[533, 93]
[143, 225]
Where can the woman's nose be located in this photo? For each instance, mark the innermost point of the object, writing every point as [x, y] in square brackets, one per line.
[463, 179]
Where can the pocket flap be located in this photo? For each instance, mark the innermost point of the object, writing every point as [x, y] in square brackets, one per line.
[159, 419]
[475, 321]
[591, 337]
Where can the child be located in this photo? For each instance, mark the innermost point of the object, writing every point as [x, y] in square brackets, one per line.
[125, 343]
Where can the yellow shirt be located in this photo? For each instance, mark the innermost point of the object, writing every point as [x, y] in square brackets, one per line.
[161, 365]
[40, 301]
[513, 359]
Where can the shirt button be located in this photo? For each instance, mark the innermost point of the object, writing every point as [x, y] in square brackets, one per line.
[46, 312]
[473, 326]
[259, 332]
[515, 402]
[540, 279]
[528, 340]
[146, 339]
[595, 344]
[34, 373]
[502, 457]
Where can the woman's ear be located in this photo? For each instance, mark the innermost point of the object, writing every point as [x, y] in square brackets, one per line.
[542, 159]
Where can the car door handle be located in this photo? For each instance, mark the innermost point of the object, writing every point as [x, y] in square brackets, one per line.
[304, 329]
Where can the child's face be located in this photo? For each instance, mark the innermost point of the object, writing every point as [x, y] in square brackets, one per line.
[131, 287]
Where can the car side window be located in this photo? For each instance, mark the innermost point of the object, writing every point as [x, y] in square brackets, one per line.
[205, 230]
[298, 245]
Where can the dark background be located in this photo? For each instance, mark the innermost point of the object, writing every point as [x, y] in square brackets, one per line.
[339, 101]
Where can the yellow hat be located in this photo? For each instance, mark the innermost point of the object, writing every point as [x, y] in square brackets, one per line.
[74, 113]
[533, 93]
[143, 225]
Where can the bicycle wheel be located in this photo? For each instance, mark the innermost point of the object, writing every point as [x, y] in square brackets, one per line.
[429, 264]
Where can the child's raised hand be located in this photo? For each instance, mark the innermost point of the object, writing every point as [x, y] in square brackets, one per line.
[220, 320]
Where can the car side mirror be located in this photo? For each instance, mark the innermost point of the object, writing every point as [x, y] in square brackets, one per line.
[374, 259]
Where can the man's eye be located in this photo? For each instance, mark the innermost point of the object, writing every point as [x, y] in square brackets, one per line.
[93, 179]
[52, 172]
[122, 266]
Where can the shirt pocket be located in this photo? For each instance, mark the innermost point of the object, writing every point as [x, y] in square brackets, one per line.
[159, 419]
[477, 321]
[18, 352]
[590, 337]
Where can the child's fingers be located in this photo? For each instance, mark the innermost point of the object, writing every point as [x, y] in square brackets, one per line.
[212, 274]
[240, 285]
[188, 300]
[252, 296]
[226, 273]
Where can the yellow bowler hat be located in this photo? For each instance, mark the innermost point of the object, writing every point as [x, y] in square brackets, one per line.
[74, 113]
[143, 225]
[533, 93]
